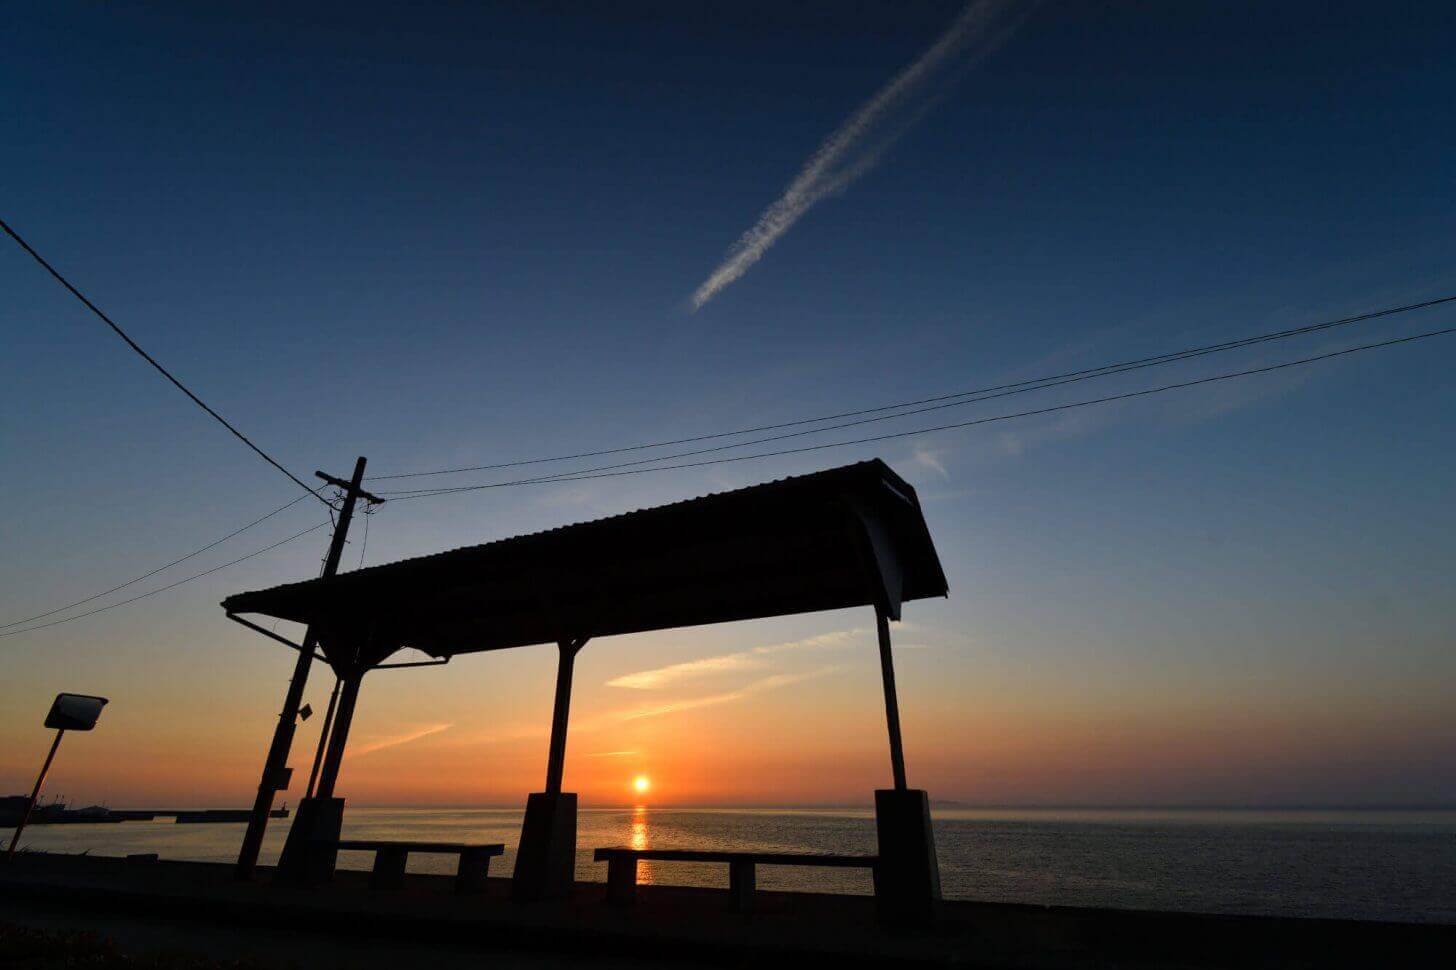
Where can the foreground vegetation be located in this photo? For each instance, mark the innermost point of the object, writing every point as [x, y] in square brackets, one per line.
[24, 948]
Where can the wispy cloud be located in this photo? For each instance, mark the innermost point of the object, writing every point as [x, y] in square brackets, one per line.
[625, 715]
[506, 734]
[738, 694]
[860, 142]
[612, 754]
[671, 674]
[930, 458]
[398, 739]
[753, 659]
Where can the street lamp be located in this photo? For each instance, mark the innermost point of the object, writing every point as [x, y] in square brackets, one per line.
[69, 712]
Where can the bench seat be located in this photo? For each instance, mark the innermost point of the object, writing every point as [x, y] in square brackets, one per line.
[390, 859]
[742, 877]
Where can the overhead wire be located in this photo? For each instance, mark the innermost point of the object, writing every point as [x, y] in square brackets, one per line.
[163, 589]
[152, 360]
[1032, 384]
[153, 572]
[902, 409]
[1023, 388]
[364, 545]
[588, 474]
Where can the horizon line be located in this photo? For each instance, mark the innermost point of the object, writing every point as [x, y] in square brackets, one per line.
[959, 804]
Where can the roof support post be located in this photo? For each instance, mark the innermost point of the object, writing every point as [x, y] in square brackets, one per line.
[323, 741]
[546, 858]
[907, 878]
[556, 757]
[339, 736]
[892, 701]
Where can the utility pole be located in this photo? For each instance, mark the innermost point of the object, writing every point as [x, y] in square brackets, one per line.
[275, 769]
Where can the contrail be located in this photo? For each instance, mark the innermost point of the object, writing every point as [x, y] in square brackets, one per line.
[383, 743]
[982, 27]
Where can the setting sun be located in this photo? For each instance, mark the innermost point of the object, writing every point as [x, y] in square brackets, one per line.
[641, 784]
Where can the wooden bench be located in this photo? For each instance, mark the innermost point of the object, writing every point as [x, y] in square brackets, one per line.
[390, 858]
[622, 868]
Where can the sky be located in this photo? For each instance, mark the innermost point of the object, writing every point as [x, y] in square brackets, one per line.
[446, 235]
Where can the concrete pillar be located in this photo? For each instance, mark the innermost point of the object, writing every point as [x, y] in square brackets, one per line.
[309, 854]
[308, 857]
[546, 859]
[907, 879]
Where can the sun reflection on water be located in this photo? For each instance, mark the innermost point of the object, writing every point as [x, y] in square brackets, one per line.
[639, 828]
[640, 839]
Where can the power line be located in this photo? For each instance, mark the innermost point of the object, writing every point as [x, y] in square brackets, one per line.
[150, 359]
[163, 589]
[1026, 385]
[587, 474]
[364, 546]
[147, 575]
[1107, 371]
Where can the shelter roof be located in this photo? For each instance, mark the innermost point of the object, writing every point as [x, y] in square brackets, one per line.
[842, 537]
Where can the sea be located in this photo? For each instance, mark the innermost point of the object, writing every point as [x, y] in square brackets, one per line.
[1369, 865]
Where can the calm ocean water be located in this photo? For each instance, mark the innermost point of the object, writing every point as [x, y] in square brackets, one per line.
[1390, 865]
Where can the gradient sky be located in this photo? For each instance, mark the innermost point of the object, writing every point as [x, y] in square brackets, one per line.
[440, 235]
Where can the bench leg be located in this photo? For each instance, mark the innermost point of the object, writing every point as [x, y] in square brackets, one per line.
[741, 880]
[622, 881]
[471, 875]
[388, 869]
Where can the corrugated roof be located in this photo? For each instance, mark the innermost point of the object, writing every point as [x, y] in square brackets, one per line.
[791, 545]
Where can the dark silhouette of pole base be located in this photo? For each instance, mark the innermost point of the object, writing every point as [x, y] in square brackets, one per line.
[907, 878]
[311, 851]
[546, 859]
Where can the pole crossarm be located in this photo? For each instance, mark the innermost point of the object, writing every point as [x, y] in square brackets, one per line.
[351, 488]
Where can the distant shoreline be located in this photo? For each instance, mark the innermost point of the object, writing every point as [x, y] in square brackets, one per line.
[934, 803]
[869, 807]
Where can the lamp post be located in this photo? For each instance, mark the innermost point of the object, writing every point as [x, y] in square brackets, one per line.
[69, 712]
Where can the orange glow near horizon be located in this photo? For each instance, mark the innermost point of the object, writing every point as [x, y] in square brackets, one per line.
[756, 719]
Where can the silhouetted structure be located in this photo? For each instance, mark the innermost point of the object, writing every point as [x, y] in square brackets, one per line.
[390, 859]
[742, 878]
[844, 537]
[69, 712]
[276, 773]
